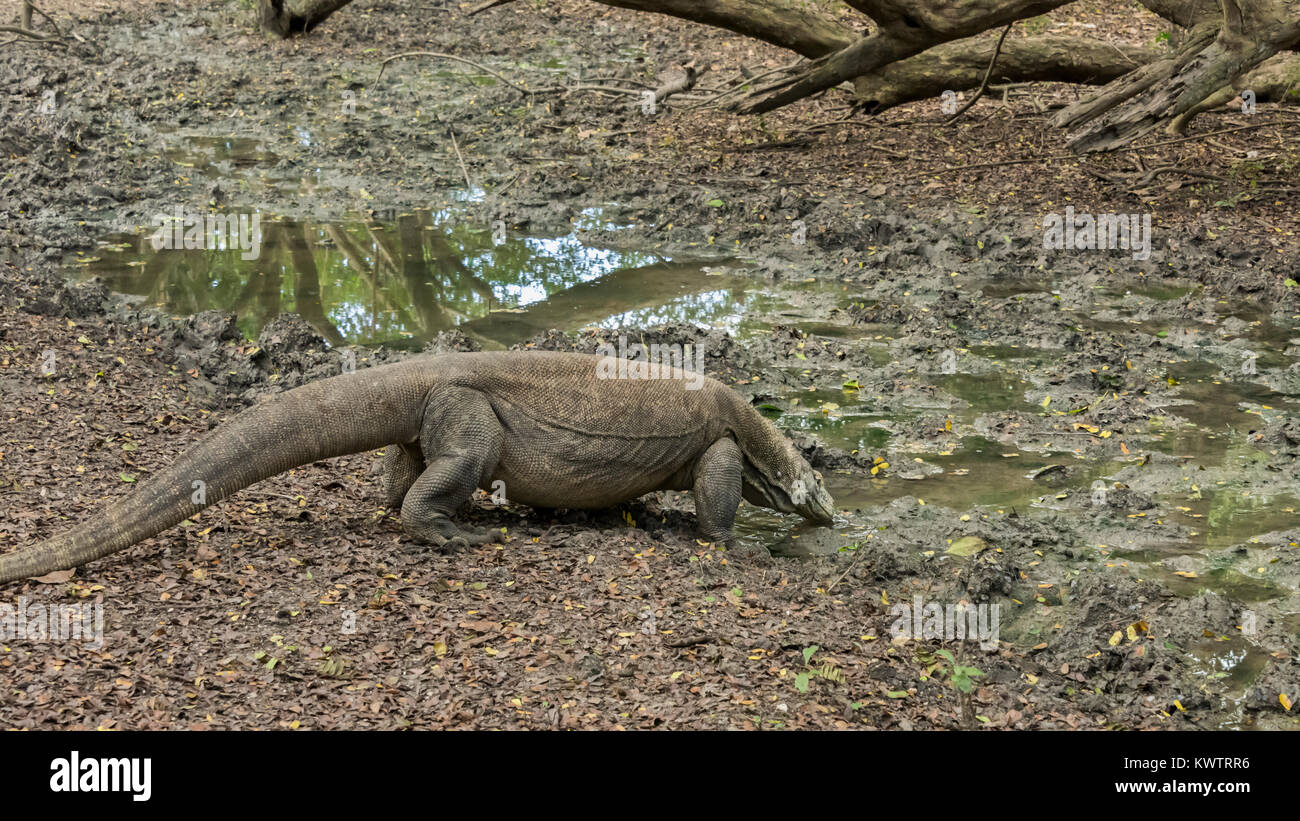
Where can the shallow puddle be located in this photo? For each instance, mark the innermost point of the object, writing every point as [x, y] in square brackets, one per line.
[403, 282]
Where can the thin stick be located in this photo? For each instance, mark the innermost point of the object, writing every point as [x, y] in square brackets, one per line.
[857, 554]
[37, 9]
[469, 186]
[988, 72]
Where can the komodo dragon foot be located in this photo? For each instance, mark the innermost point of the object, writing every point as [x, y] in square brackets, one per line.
[442, 534]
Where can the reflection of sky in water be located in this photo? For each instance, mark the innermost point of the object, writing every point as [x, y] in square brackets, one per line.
[584, 263]
[352, 319]
[720, 309]
[381, 281]
[593, 219]
[474, 194]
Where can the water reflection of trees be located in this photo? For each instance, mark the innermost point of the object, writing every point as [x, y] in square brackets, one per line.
[412, 278]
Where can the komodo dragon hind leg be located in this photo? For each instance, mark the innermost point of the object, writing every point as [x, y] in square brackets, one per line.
[403, 464]
[717, 492]
[461, 442]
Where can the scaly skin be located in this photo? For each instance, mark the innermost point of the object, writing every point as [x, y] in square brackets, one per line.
[551, 426]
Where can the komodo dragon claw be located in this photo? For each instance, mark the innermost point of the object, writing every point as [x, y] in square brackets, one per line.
[444, 535]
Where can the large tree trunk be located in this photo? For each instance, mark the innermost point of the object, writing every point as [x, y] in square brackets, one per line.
[961, 65]
[785, 23]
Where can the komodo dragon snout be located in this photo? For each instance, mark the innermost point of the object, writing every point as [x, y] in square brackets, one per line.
[552, 429]
[794, 487]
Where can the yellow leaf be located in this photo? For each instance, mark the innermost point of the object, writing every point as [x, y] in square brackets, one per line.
[1114, 640]
[967, 546]
[1285, 700]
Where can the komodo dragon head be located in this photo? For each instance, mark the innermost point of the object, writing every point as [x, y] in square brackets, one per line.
[777, 477]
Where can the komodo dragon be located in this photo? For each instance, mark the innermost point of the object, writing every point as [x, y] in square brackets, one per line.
[544, 423]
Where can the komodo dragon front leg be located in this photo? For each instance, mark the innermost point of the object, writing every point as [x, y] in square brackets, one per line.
[460, 444]
[403, 464]
[718, 489]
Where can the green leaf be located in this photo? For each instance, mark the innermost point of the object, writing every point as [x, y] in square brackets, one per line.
[126, 477]
[801, 682]
[715, 203]
[897, 694]
[1290, 283]
[809, 652]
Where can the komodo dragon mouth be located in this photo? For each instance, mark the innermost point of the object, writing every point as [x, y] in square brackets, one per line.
[807, 495]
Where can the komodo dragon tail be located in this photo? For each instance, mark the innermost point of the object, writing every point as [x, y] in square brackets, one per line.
[331, 417]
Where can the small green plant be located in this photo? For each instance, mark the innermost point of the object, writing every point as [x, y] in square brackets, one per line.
[827, 670]
[962, 679]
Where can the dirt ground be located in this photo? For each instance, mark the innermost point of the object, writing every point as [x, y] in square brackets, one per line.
[300, 604]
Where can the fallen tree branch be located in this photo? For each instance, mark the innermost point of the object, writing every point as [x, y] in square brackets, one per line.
[906, 29]
[959, 66]
[482, 7]
[1248, 33]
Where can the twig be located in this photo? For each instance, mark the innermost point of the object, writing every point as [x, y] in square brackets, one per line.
[53, 39]
[469, 186]
[442, 56]
[984, 84]
[513, 180]
[1151, 175]
[37, 9]
[857, 554]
